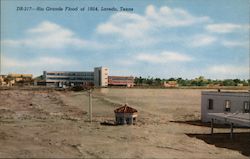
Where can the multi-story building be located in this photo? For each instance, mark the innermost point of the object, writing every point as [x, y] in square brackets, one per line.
[121, 81]
[60, 78]
[99, 78]
[223, 102]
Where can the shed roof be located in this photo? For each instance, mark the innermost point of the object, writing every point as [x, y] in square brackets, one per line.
[125, 109]
[237, 118]
[229, 94]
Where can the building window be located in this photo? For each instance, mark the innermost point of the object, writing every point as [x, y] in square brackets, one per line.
[210, 104]
[246, 107]
[227, 105]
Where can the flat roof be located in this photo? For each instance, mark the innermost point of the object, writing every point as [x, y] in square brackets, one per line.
[242, 119]
[227, 93]
[236, 91]
[69, 71]
[121, 76]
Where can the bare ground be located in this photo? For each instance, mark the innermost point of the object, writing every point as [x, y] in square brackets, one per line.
[54, 124]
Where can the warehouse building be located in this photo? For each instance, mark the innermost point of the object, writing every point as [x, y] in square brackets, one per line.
[224, 103]
[98, 78]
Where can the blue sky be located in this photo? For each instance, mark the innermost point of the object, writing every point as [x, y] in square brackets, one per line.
[172, 38]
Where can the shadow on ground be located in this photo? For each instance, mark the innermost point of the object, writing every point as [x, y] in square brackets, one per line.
[240, 141]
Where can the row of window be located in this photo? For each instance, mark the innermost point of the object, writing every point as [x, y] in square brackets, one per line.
[121, 79]
[72, 74]
[227, 105]
[68, 78]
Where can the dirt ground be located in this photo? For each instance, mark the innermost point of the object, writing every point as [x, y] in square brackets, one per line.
[54, 124]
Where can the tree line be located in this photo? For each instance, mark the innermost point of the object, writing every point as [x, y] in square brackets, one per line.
[199, 81]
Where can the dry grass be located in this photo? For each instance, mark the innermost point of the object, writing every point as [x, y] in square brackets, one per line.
[53, 124]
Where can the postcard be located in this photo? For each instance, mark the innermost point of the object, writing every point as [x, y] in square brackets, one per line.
[124, 79]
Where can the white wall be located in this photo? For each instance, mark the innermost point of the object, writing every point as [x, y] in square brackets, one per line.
[101, 76]
[236, 99]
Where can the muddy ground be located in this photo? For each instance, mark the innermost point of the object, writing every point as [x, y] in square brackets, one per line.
[54, 124]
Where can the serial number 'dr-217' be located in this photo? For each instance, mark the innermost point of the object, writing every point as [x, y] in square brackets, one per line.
[23, 8]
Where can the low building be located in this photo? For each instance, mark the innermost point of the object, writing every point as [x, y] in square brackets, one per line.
[121, 81]
[2, 80]
[16, 79]
[170, 84]
[223, 102]
[99, 78]
[20, 77]
[125, 115]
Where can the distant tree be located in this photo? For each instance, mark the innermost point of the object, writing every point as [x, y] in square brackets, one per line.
[149, 81]
[237, 81]
[138, 81]
[245, 83]
[228, 82]
[199, 81]
[193, 83]
[182, 82]
[171, 79]
[157, 81]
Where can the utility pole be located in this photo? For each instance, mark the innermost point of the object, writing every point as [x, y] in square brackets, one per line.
[90, 105]
[126, 91]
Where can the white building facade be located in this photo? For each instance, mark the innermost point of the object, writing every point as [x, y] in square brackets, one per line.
[101, 76]
[98, 78]
[223, 102]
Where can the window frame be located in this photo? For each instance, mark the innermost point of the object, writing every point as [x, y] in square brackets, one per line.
[244, 107]
[227, 106]
[210, 104]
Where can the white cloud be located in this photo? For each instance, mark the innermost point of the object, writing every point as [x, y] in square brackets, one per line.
[37, 62]
[164, 57]
[202, 40]
[230, 44]
[172, 17]
[48, 35]
[53, 36]
[228, 70]
[224, 27]
[135, 26]
[128, 25]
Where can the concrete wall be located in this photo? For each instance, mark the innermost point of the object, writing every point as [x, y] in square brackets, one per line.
[236, 100]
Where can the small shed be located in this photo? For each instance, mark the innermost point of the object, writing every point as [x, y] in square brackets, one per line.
[125, 115]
